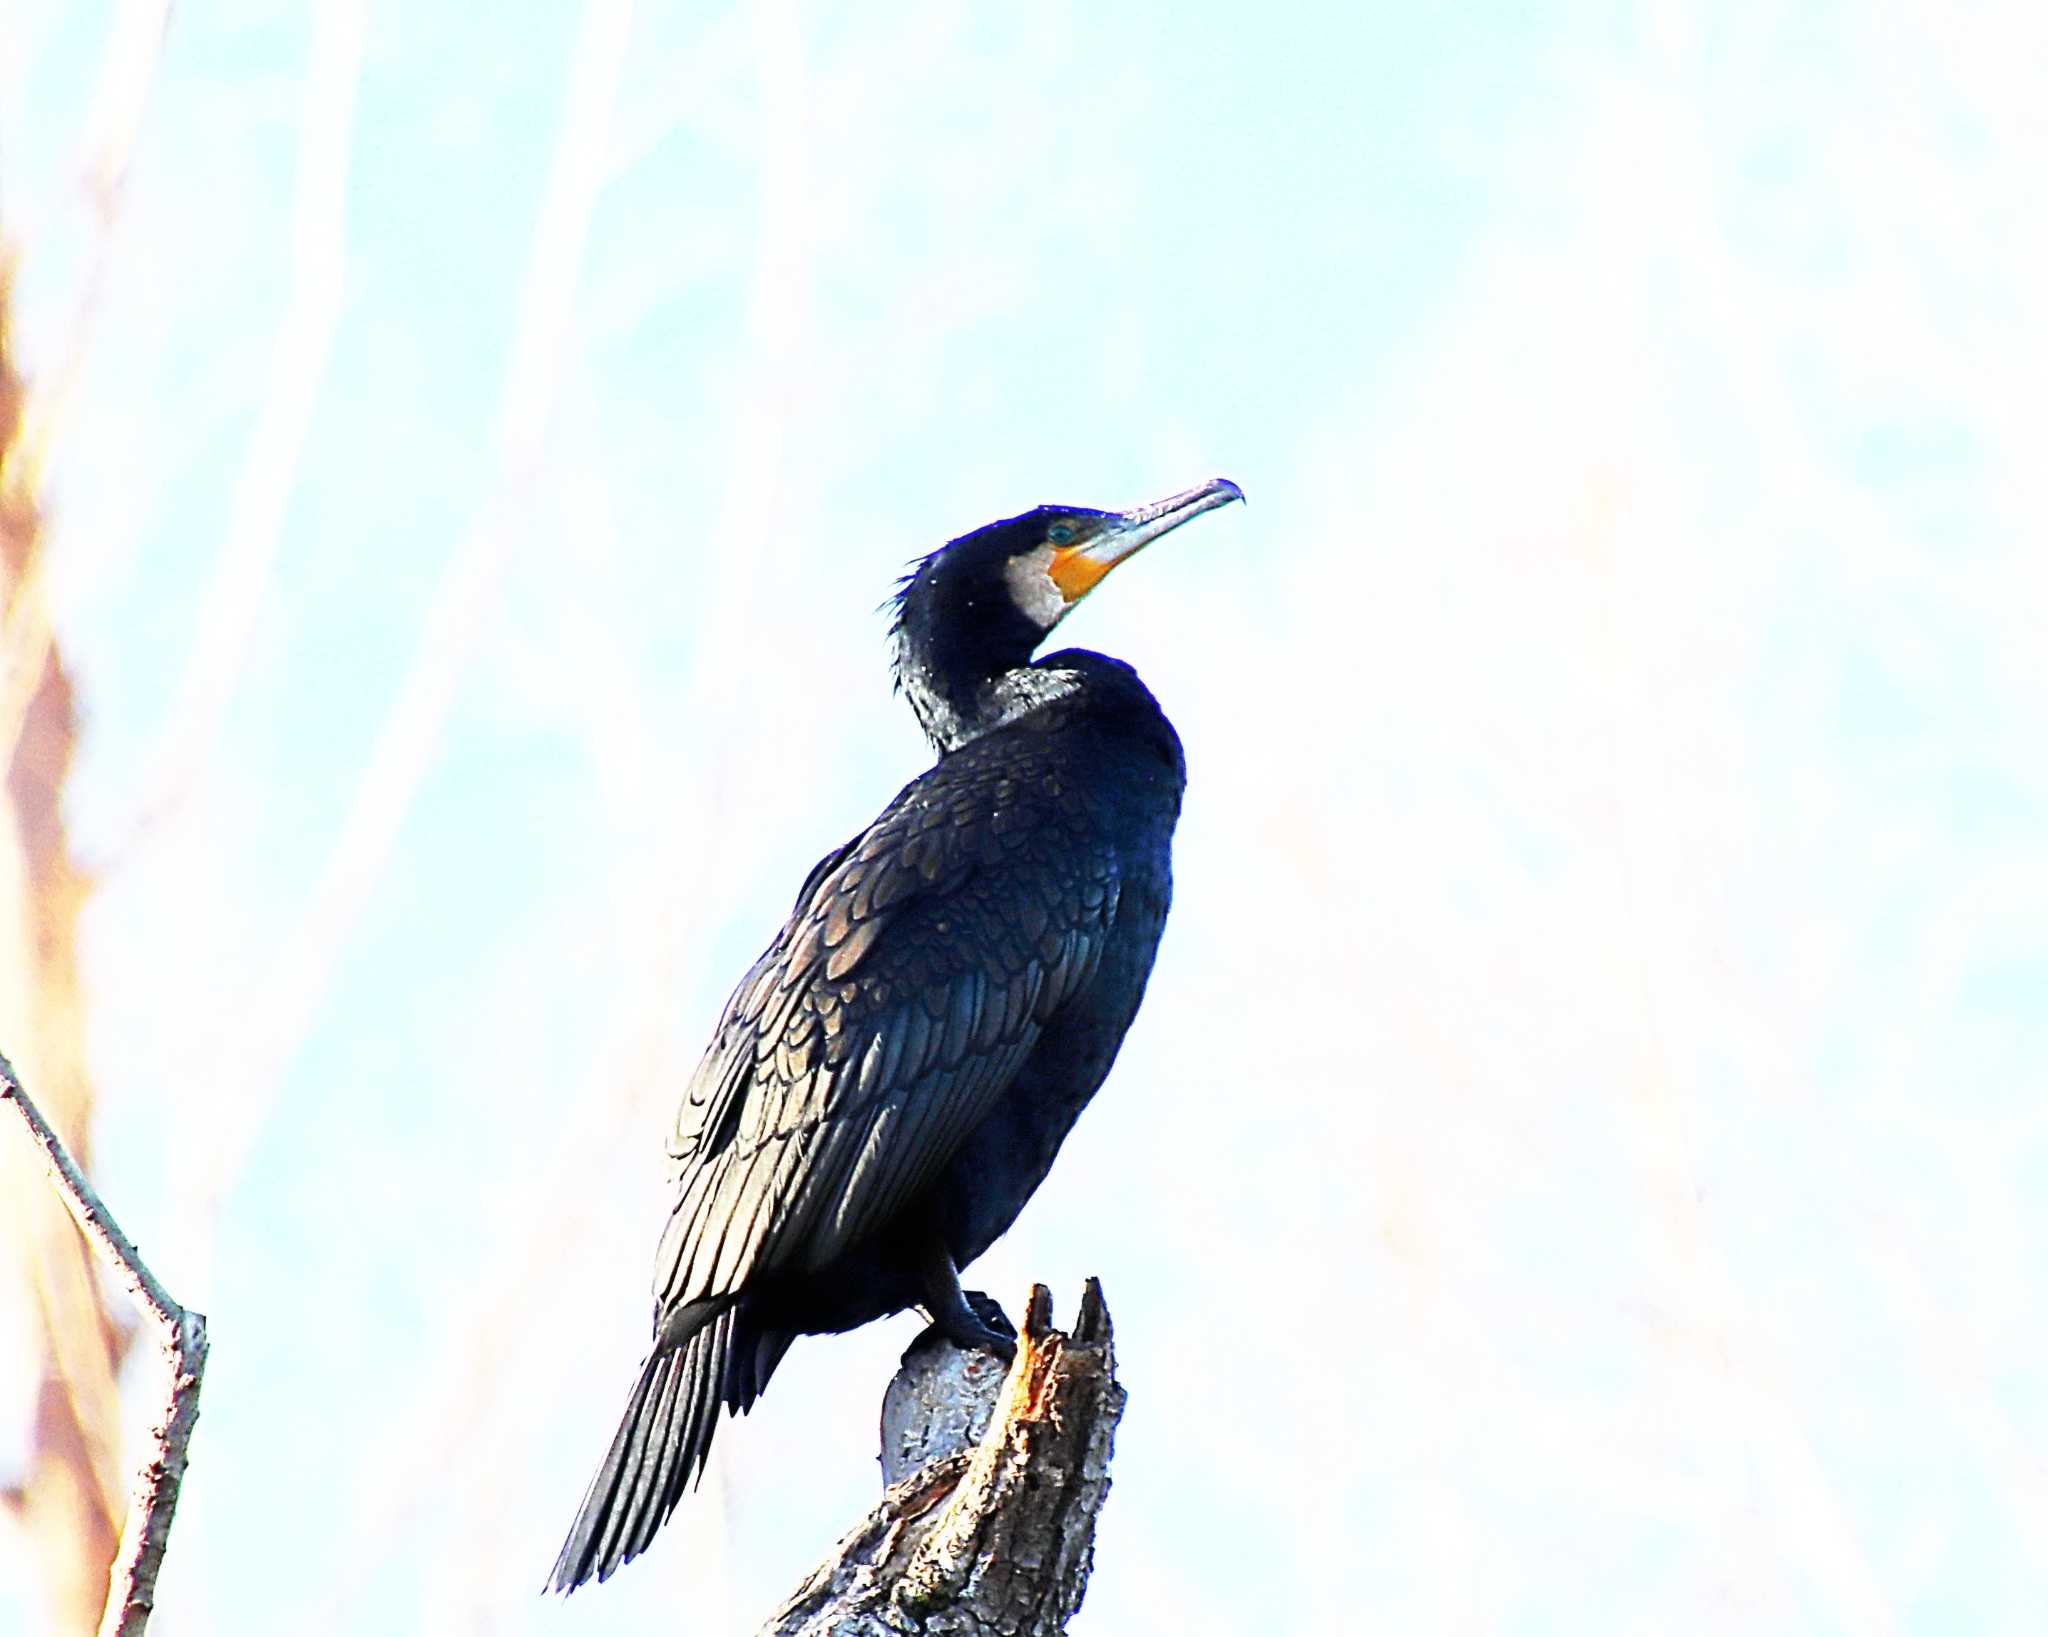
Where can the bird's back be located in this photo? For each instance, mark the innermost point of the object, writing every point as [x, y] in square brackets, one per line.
[962, 935]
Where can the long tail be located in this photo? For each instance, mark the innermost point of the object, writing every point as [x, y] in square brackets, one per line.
[659, 1448]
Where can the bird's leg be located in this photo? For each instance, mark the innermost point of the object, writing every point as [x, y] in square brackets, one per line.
[952, 1314]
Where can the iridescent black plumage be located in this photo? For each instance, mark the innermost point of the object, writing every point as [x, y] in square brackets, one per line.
[891, 1080]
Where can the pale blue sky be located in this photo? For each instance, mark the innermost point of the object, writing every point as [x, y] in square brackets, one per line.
[1585, 1145]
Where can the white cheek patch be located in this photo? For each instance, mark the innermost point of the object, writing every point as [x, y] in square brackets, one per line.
[1029, 575]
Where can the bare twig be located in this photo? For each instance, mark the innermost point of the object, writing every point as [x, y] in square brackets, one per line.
[182, 1335]
[994, 1538]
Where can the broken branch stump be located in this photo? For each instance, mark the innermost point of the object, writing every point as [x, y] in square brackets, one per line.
[995, 1480]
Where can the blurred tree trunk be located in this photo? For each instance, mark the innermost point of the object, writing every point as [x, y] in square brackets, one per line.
[70, 1500]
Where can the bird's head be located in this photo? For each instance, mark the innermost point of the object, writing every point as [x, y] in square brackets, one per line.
[978, 607]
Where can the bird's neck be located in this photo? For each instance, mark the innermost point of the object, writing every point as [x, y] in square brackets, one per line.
[955, 711]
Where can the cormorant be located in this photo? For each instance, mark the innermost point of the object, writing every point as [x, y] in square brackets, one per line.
[890, 1081]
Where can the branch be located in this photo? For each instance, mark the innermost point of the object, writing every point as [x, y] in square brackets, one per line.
[181, 1334]
[995, 1531]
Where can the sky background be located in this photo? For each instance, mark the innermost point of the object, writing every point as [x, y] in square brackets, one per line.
[1582, 1165]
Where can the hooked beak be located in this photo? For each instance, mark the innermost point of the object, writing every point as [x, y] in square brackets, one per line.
[1079, 568]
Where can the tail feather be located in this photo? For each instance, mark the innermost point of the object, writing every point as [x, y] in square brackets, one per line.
[753, 1365]
[678, 1443]
[660, 1447]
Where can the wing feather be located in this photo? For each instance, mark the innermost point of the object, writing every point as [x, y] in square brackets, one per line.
[883, 1025]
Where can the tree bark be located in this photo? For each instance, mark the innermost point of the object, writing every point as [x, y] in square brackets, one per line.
[988, 1524]
[67, 1503]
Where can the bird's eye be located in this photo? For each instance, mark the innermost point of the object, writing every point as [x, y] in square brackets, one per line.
[1060, 534]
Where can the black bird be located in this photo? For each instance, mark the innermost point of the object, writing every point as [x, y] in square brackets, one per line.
[890, 1081]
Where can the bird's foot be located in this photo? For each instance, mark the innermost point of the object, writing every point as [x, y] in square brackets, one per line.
[975, 1322]
[968, 1320]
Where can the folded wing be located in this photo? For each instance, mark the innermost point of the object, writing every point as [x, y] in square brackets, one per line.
[881, 1027]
